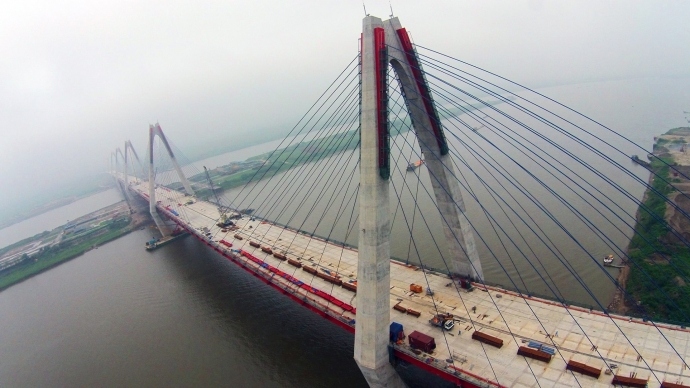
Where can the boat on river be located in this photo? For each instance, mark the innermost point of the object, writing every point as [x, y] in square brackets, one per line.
[413, 165]
[156, 243]
[608, 260]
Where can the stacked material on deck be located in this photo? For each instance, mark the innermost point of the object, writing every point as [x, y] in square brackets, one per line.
[350, 286]
[583, 368]
[534, 353]
[487, 339]
[628, 381]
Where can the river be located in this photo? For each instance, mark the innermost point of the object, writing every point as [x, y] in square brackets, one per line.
[184, 316]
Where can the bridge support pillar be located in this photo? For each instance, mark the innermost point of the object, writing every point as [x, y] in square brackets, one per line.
[373, 269]
[464, 259]
[153, 132]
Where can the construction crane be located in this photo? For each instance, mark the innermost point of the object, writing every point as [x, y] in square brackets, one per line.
[223, 221]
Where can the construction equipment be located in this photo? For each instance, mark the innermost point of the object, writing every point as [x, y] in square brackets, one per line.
[444, 321]
[223, 221]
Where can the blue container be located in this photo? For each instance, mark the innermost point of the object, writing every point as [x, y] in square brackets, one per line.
[396, 332]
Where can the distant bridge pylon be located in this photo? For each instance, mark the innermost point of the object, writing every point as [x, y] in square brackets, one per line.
[155, 130]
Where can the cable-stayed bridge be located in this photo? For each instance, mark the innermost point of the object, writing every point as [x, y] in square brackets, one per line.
[491, 183]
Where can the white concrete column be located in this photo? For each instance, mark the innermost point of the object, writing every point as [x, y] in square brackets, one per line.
[464, 259]
[165, 231]
[373, 268]
[187, 187]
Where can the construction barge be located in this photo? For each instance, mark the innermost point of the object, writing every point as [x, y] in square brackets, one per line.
[156, 243]
[521, 351]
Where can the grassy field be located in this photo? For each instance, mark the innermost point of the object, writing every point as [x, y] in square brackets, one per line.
[55, 255]
[283, 160]
[666, 297]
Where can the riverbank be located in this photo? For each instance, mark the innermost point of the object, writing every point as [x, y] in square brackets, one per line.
[47, 250]
[659, 259]
[46, 207]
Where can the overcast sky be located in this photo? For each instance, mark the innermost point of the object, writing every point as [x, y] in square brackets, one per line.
[78, 78]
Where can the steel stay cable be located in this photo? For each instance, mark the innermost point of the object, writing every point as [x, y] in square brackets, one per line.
[603, 177]
[327, 239]
[479, 234]
[426, 279]
[586, 145]
[395, 213]
[447, 268]
[590, 224]
[549, 99]
[332, 160]
[310, 171]
[329, 131]
[320, 195]
[346, 120]
[302, 119]
[622, 332]
[611, 182]
[481, 280]
[467, 186]
[453, 282]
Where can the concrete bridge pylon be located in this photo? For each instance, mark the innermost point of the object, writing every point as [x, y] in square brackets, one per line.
[384, 43]
[155, 130]
[128, 161]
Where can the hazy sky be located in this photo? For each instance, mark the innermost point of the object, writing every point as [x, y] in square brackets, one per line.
[78, 78]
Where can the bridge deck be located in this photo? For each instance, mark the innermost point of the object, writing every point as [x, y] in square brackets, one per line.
[570, 331]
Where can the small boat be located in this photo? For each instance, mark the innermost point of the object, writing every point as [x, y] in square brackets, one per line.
[608, 260]
[159, 242]
[413, 165]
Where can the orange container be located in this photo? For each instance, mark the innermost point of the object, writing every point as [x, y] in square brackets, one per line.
[416, 288]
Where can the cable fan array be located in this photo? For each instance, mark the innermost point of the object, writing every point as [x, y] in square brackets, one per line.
[549, 192]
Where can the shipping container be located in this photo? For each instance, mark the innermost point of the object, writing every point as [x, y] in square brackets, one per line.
[416, 288]
[279, 256]
[628, 381]
[487, 339]
[310, 270]
[267, 250]
[583, 368]
[396, 332]
[414, 312]
[329, 278]
[400, 308]
[422, 342]
[254, 244]
[666, 384]
[295, 263]
[534, 353]
[237, 236]
[350, 286]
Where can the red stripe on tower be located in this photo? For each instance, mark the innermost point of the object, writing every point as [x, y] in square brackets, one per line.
[416, 68]
[381, 70]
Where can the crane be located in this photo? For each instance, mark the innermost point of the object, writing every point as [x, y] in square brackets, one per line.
[223, 221]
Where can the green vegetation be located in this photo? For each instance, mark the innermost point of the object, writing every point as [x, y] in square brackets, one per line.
[50, 256]
[667, 297]
[679, 131]
[275, 162]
